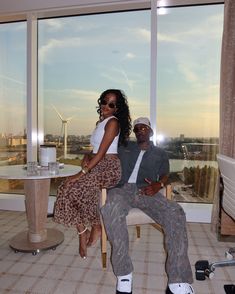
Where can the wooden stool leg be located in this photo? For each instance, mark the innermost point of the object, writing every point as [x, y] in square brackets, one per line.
[138, 231]
[103, 233]
[103, 247]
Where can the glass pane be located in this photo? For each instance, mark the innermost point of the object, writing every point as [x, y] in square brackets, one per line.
[79, 58]
[12, 100]
[189, 43]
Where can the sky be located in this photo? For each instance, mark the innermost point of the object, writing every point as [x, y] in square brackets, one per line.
[80, 57]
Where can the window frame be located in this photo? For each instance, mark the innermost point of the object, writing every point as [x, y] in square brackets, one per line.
[35, 132]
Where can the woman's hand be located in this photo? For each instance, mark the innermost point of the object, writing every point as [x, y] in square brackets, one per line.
[85, 161]
[73, 179]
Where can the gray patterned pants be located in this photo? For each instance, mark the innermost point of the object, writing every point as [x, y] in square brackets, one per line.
[168, 214]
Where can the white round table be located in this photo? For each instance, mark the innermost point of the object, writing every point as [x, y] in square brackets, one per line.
[37, 189]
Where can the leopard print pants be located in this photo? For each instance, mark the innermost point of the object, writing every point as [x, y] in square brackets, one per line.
[78, 202]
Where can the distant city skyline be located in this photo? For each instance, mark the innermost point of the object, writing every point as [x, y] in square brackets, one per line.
[79, 57]
[132, 135]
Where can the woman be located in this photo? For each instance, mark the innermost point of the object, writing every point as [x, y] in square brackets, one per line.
[77, 202]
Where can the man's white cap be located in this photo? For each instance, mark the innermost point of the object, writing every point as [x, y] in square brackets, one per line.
[143, 121]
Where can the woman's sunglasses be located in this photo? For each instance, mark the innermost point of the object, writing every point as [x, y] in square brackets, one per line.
[110, 105]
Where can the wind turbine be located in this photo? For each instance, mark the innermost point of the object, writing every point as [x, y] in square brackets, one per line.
[64, 127]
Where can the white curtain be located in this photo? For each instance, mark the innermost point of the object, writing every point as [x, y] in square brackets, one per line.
[227, 94]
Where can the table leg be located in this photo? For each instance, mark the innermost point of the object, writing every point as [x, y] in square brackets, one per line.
[36, 203]
[37, 237]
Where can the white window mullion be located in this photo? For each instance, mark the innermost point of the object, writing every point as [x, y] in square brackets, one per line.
[32, 117]
[153, 69]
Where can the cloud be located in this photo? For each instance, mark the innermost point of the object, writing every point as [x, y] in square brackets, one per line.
[188, 73]
[129, 82]
[12, 80]
[53, 44]
[68, 24]
[53, 24]
[209, 28]
[209, 102]
[13, 27]
[168, 38]
[119, 76]
[140, 107]
[90, 39]
[81, 95]
[130, 55]
[142, 34]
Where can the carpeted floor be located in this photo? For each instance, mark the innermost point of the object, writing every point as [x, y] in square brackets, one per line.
[62, 271]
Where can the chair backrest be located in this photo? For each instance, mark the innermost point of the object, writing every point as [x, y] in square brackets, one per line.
[227, 170]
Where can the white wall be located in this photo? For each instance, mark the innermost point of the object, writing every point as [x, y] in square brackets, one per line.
[16, 202]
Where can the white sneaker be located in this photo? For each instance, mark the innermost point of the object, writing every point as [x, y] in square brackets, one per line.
[181, 288]
[124, 284]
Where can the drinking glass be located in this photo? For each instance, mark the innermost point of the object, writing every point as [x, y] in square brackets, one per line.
[53, 168]
[32, 168]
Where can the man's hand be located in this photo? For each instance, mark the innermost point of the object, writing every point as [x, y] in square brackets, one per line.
[152, 188]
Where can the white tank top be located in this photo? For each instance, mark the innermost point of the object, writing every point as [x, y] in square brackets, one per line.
[97, 136]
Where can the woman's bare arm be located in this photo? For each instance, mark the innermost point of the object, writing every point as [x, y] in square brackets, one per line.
[110, 132]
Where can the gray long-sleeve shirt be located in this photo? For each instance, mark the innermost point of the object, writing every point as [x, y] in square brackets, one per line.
[153, 166]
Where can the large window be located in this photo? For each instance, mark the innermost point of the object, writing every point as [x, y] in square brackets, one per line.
[81, 56]
[189, 43]
[12, 99]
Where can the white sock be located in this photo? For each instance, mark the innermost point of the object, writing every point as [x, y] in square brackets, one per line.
[124, 283]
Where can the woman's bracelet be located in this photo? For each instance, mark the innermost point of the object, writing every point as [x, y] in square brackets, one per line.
[85, 170]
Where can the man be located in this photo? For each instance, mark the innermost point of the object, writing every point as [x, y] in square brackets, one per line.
[145, 170]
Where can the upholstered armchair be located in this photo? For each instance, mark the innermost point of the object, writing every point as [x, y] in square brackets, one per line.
[227, 173]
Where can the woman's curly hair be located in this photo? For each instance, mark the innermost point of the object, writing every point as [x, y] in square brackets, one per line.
[122, 113]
